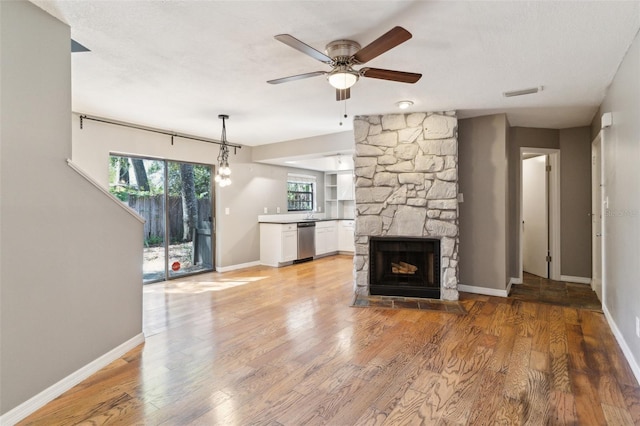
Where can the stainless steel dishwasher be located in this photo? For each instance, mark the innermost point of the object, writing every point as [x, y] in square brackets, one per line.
[306, 240]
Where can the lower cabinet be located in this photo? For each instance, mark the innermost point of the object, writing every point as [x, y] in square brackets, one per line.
[278, 243]
[289, 245]
[345, 236]
[326, 237]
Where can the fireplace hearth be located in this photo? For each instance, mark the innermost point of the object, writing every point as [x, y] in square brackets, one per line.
[404, 266]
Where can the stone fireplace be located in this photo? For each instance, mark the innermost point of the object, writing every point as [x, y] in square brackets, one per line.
[406, 168]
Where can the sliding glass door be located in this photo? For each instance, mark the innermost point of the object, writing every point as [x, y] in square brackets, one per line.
[176, 200]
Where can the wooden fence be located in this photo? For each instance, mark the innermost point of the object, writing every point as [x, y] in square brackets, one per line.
[151, 209]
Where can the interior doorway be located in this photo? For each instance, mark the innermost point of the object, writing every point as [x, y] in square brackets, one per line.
[535, 215]
[539, 230]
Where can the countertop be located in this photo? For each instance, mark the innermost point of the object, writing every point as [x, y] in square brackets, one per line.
[288, 221]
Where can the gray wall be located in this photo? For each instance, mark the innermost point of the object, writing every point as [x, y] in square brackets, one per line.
[621, 152]
[255, 186]
[522, 137]
[489, 215]
[575, 190]
[596, 123]
[482, 172]
[70, 280]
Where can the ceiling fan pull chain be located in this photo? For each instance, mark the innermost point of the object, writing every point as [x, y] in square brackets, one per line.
[345, 111]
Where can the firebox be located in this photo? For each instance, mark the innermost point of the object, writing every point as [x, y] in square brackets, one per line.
[404, 266]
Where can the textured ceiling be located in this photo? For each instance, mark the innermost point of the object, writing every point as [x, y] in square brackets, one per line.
[176, 65]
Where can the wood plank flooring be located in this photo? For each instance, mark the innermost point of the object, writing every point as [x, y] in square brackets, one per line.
[542, 290]
[283, 347]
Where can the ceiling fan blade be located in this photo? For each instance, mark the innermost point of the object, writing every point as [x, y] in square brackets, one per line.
[343, 94]
[387, 41]
[401, 76]
[296, 77]
[291, 41]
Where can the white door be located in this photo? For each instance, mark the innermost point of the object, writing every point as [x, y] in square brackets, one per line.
[596, 219]
[535, 233]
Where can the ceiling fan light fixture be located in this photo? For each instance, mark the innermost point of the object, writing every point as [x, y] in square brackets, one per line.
[404, 104]
[342, 78]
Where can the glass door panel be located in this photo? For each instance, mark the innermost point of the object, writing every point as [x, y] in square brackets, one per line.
[178, 228]
[139, 183]
[190, 218]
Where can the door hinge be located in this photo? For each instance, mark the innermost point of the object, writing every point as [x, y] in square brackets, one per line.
[548, 258]
[548, 168]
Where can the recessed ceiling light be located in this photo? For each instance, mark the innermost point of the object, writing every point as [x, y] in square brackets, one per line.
[404, 104]
[522, 92]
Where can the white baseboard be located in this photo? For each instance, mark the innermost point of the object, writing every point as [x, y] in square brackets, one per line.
[238, 266]
[633, 363]
[23, 410]
[579, 280]
[483, 290]
[515, 280]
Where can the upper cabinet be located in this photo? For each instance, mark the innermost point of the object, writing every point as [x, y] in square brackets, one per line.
[345, 186]
[339, 194]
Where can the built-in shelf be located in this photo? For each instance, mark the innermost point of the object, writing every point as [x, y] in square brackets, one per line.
[339, 194]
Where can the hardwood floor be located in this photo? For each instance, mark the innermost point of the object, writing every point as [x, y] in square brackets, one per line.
[283, 347]
[542, 290]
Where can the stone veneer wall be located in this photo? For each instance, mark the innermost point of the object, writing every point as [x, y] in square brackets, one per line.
[406, 168]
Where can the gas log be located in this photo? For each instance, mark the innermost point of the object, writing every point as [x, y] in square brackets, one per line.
[403, 268]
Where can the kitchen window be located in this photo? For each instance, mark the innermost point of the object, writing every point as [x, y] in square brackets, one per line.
[301, 191]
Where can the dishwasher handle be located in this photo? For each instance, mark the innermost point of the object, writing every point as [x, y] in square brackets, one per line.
[306, 224]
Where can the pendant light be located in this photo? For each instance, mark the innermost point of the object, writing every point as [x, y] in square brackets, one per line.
[222, 177]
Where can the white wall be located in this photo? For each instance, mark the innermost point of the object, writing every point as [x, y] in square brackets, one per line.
[621, 151]
[255, 186]
[70, 277]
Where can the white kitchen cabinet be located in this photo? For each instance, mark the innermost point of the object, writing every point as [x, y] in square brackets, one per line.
[345, 236]
[345, 186]
[326, 237]
[289, 245]
[278, 243]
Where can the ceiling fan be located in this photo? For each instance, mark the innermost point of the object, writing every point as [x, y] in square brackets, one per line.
[342, 55]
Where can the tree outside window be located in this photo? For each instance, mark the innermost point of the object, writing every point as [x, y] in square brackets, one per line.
[300, 196]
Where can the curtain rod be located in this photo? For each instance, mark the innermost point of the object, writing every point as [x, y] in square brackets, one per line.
[150, 129]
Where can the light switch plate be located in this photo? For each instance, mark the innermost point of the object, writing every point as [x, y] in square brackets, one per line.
[226, 210]
[266, 210]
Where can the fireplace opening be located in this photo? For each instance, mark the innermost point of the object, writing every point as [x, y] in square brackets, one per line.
[404, 266]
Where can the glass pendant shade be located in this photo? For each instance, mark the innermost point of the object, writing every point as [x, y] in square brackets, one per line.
[224, 171]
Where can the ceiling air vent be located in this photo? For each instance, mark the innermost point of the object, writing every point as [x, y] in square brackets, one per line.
[522, 92]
